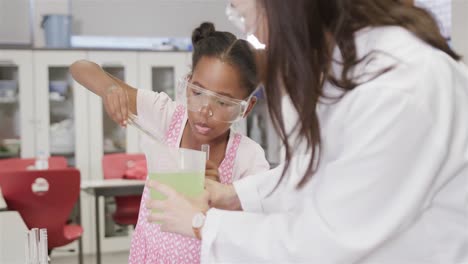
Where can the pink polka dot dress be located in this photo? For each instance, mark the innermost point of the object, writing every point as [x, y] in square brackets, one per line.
[149, 243]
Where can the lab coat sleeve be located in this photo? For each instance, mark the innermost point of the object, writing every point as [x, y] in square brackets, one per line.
[372, 191]
[256, 191]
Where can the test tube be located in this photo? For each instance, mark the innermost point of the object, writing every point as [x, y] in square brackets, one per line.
[43, 252]
[26, 248]
[206, 148]
[33, 244]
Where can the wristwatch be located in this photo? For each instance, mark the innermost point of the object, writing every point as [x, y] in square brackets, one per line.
[198, 221]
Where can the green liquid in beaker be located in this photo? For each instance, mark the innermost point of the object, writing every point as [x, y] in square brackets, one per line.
[190, 184]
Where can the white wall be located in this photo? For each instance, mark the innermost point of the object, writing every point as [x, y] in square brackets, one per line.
[128, 18]
[150, 18]
[14, 22]
[146, 18]
[133, 18]
[460, 27]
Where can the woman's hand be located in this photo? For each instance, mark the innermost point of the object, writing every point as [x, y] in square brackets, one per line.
[176, 212]
[115, 101]
[222, 196]
[211, 171]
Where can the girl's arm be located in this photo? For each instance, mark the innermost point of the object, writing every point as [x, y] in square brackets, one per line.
[119, 98]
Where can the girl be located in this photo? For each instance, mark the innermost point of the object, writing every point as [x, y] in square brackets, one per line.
[381, 102]
[218, 93]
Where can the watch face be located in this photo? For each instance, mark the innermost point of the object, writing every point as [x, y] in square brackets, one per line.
[198, 220]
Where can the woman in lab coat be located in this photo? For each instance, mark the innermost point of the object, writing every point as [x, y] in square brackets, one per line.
[376, 147]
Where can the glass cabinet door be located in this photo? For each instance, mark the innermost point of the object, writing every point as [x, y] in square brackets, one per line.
[16, 108]
[160, 71]
[10, 134]
[163, 80]
[61, 113]
[61, 108]
[106, 136]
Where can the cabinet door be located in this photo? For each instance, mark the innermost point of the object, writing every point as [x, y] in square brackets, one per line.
[106, 136]
[61, 108]
[16, 104]
[160, 71]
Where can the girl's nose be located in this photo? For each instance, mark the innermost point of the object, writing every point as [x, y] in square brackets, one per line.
[205, 110]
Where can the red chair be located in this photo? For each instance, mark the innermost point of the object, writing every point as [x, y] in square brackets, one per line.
[114, 167]
[44, 199]
[15, 164]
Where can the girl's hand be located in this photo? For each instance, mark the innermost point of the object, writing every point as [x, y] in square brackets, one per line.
[115, 101]
[211, 171]
[222, 196]
[176, 212]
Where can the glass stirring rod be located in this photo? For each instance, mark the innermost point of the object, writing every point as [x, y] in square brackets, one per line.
[132, 121]
[206, 148]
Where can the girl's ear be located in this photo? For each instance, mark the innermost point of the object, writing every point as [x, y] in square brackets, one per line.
[252, 102]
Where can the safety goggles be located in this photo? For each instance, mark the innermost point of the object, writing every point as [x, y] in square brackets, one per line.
[216, 106]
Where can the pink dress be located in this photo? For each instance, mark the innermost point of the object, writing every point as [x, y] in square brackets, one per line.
[149, 243]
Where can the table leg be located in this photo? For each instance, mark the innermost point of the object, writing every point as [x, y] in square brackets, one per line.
[98, 233]
[80, 240]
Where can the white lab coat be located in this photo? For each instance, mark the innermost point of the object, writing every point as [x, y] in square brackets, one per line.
[391, 187]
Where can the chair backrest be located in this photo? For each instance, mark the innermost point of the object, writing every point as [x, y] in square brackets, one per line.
[44, 198]
[114, 166]
[14, 164]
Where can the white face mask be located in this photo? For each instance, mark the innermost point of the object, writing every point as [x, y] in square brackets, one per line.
[243, 15]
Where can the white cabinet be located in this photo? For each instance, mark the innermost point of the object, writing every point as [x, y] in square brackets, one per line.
[61, 108]
[17, 120]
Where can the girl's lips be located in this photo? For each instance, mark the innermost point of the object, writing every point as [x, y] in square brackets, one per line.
[202, 129]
